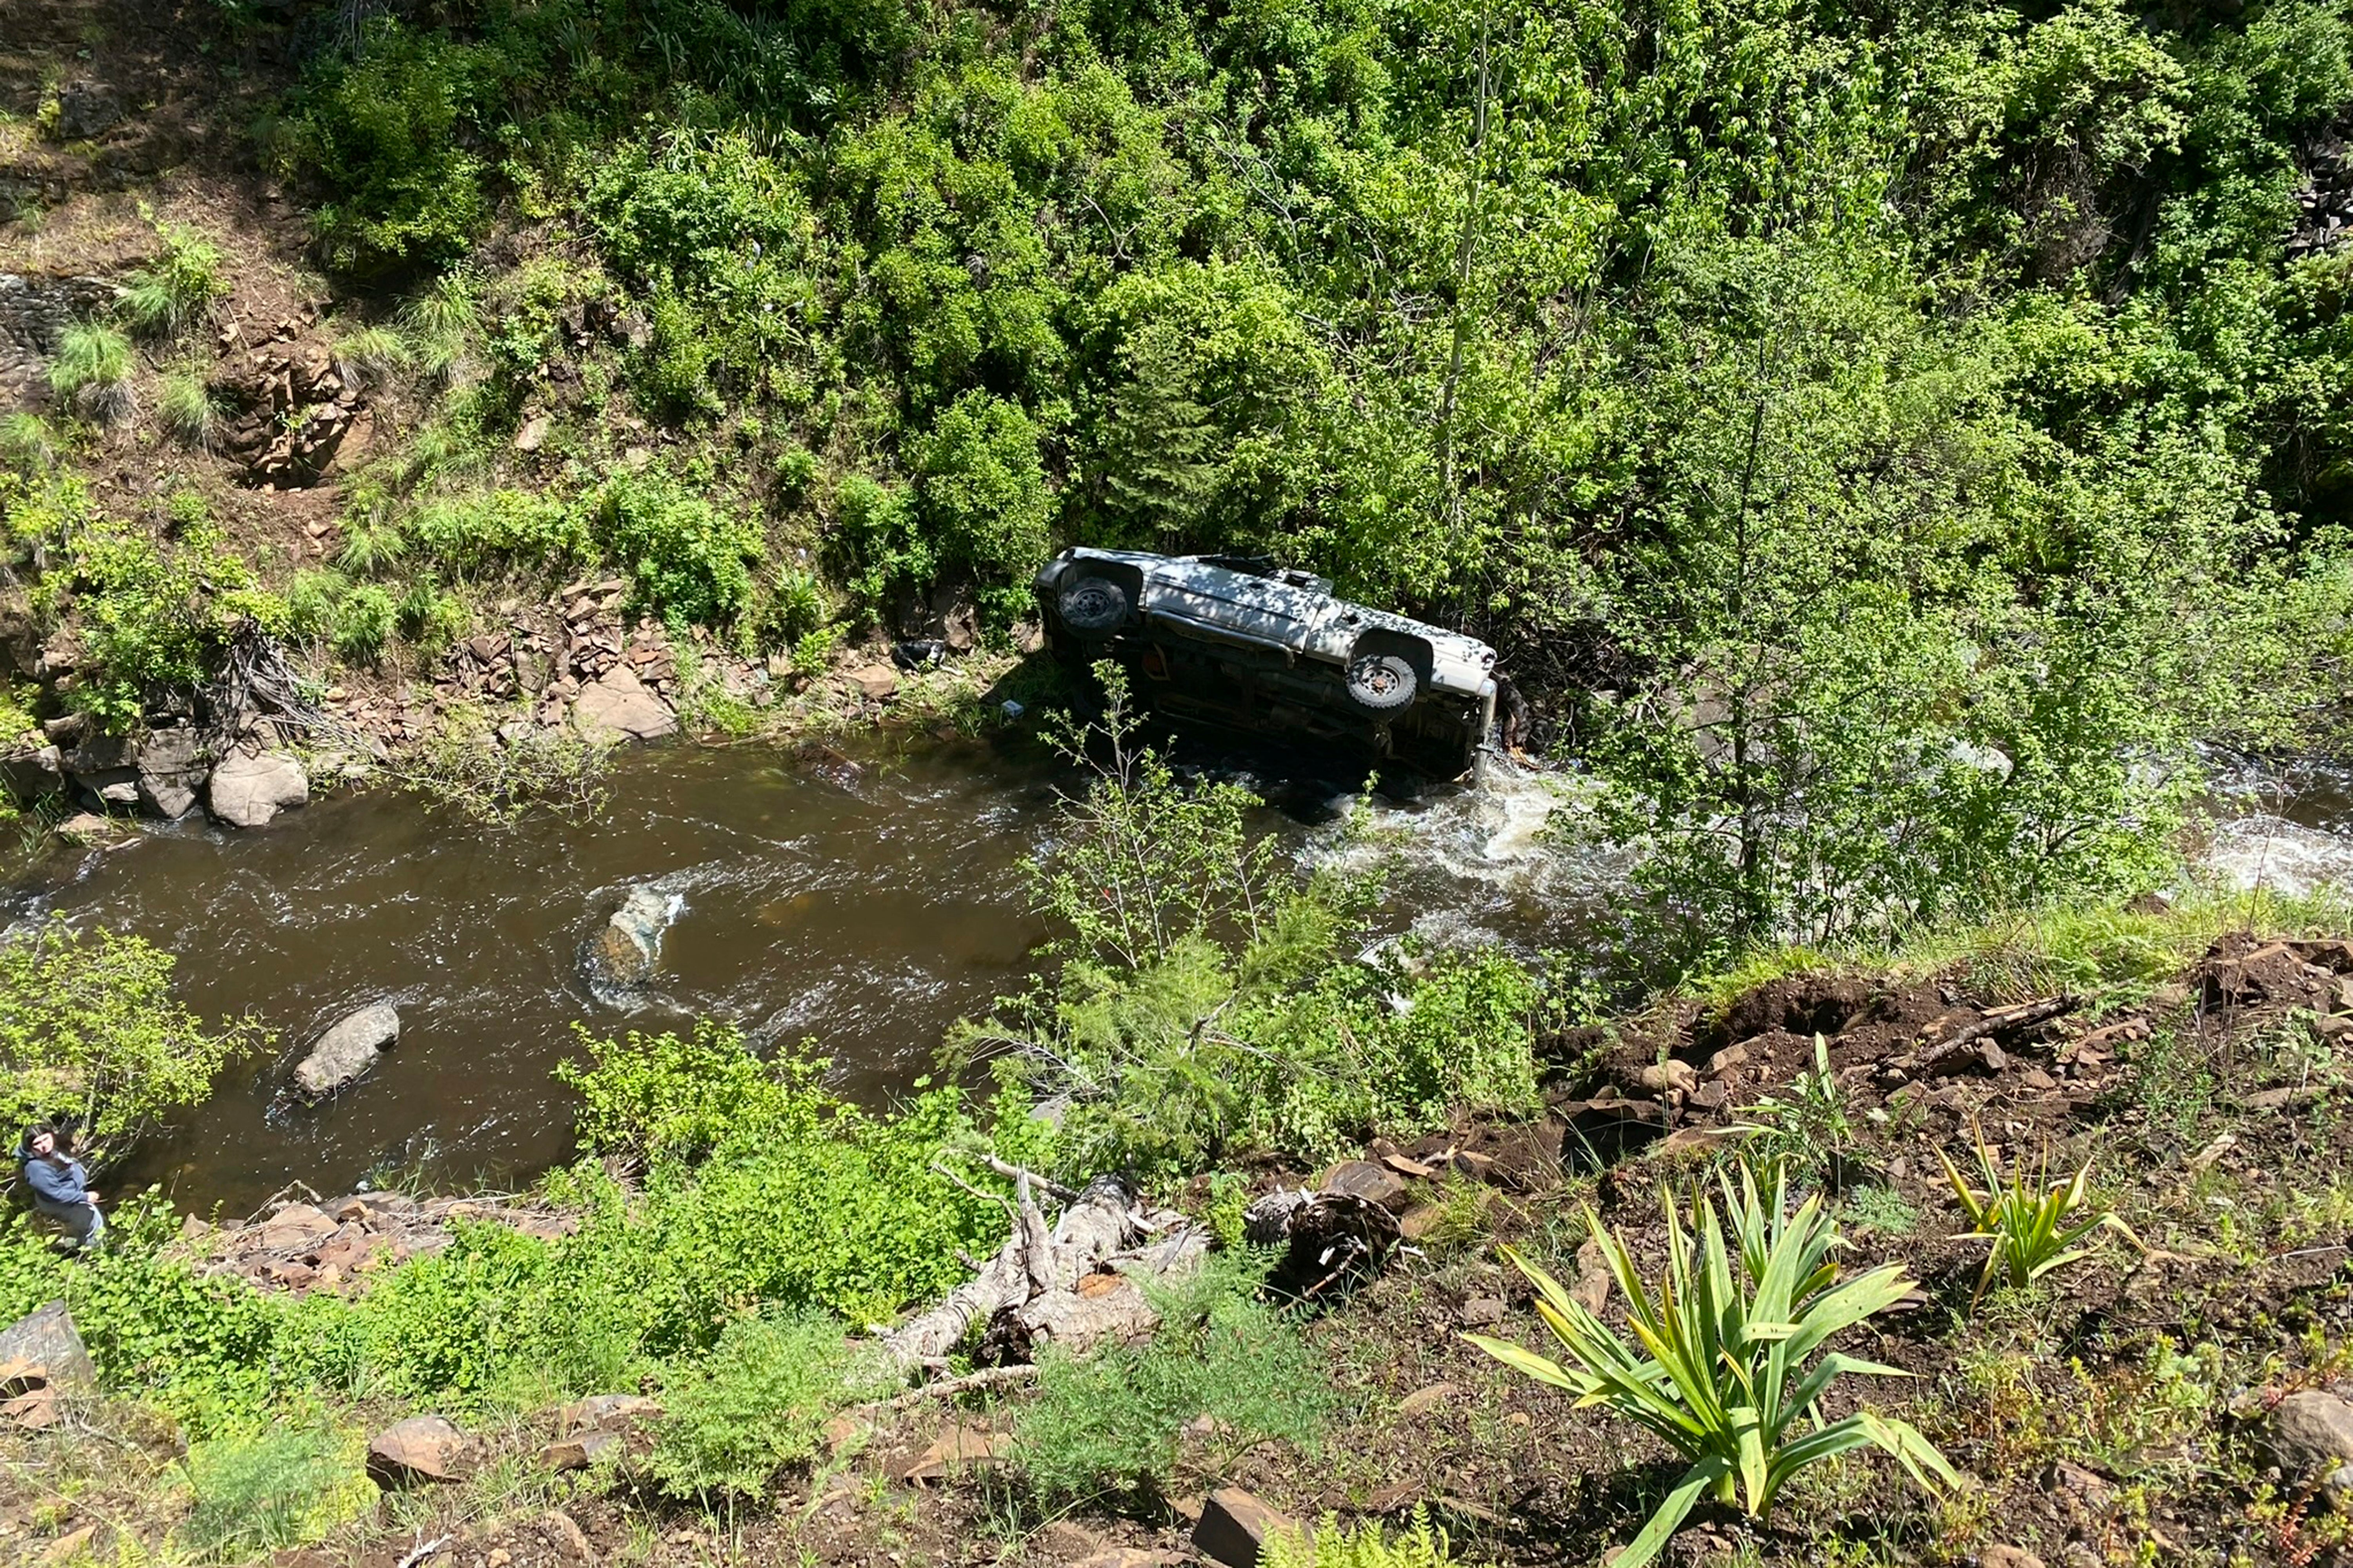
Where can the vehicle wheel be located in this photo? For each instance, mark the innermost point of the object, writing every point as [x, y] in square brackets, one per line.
[1382, 682]
[1093, 606]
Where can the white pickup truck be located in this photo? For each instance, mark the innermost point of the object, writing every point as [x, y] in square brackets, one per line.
[1234, 641]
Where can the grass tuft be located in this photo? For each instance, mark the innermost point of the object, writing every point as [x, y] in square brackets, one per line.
[92, 372]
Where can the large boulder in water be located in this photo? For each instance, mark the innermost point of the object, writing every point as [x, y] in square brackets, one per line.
[348, 1049]
[623, 951]
[249, 788]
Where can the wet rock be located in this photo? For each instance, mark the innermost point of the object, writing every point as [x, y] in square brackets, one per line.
[91, 831]
[348, 1049]
[46, 1338]
[171, 769]
[623, 951]
[250, 788]
[421, 1449]
[617, 706]
[1234, 1528]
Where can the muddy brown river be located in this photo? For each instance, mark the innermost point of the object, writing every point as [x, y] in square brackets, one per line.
[864, 900]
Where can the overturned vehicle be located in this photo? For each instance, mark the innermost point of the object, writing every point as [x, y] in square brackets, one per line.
[1234, 641]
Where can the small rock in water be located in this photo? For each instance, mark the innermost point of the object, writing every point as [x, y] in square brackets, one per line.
[348, 1049]
[623, 954]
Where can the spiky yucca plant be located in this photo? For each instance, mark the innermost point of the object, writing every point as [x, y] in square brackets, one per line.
[1720, 1369]
[2031, 1221]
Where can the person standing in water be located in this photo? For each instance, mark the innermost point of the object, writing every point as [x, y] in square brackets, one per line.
[59, 1186]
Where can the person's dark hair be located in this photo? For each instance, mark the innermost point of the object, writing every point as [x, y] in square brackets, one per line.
[38, 1128]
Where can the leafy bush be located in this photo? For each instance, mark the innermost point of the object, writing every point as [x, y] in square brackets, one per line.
[432, 618]
[499, 779]
[88, 1030]
[481, 531]
[1202, 998]
[390, 135]
[1112, 1424]
[363, 622]
[1721, 1375]
[178, 288]
[154, 616]
[984, 491]
[283, 1487]
[92, 372]
[686, 557]
[757, 1401]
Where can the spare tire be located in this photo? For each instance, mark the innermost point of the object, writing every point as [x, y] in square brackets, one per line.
[1092, 606]
[1382, 682]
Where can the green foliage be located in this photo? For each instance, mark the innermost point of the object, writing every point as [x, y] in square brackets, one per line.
[1111, 1424]
[392, 132]
[2032, 1222]
[26, 443]
[1201, 999]
[983, 488]
[281, 1488]
[92, 372]
[495, 777]
[477, 533]
[686, 557]
[177, 289]
[1719, 1371]
[88, 1030]
[757, 1401]
[153, 615]
[370, 356]
[1329, 1546]
[1809, 1131]
[363, 622]
[185, 404]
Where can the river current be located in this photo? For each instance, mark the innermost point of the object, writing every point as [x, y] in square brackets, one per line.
[863, 898]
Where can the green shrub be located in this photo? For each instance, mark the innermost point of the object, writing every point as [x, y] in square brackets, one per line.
[755, 1403]
[482, 530]
[185, 404]
[497, 780]
[686, 557]
[26, 443]
[1202, 999]
[440, 328]
[363, 622]
[281, 1488]
[984, 491]
[154, 616]
[1112, 1424]
[431, 617]
[92, 372]
[390, 136]
[178, 288]
[89, 1029]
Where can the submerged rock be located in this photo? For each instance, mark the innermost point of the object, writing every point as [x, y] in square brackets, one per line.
[250, 788]
[348, 1049]
[623, 954]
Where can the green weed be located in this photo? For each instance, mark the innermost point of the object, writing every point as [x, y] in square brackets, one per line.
[92, 372]
[177, 289]
[283, 1488]
[184, 405]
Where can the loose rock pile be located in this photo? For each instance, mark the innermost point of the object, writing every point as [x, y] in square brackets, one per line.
[336, 1245]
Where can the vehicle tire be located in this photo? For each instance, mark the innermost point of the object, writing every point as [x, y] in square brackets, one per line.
[1382, 682]
[1092, 606]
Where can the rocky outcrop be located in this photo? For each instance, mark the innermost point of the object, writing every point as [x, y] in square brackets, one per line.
[618, 706]
[250, 788]
[34, 314]
[623, 952]
[348, 1049]
[171, 768]
[291, 415]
